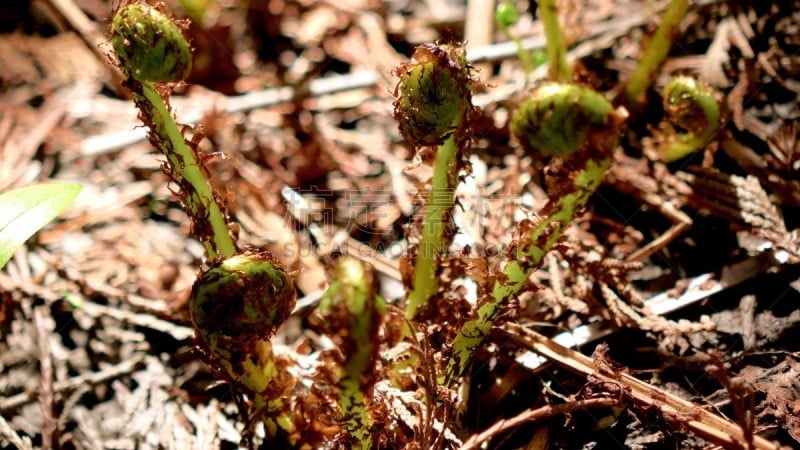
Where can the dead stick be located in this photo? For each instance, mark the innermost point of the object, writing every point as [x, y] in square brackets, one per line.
[531, 415]
[706, 424]
[46, 400]
[91, 379]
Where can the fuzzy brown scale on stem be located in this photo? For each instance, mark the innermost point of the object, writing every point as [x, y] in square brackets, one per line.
[174, 166]
[557, 120]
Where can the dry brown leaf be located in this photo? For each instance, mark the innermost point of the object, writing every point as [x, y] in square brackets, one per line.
[781, 385]
[742, 201]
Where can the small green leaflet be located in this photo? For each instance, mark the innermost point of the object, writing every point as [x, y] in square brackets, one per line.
[26, 210]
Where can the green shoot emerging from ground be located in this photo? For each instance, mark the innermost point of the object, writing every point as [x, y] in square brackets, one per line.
[352, 314]
[151, 49]
[556, 46]
[691, 106]
[569, 122]
[654, 55]
[506, 15]
[240, 300]
[432, 108]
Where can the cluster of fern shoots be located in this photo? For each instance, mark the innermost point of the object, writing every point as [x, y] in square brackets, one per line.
[242, 295]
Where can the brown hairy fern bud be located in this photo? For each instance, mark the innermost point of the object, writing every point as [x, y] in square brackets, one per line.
[557, 119]
[237, 306]
[433, 93]
[149, 44]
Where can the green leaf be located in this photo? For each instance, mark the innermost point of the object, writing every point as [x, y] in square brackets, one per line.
[26, 210]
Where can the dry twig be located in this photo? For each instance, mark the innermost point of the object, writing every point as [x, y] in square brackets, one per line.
[706, 424]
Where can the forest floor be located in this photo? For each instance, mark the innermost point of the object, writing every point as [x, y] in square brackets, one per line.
[292, 103]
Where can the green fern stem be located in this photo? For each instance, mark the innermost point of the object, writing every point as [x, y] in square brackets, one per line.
[150, 48]
[556, 45]
[557, 120]
[505, 15]
[352, 313]
[432, 243]
[432, 108]
[654, 55]
[556, 217]
[242, 297]
[209, 222]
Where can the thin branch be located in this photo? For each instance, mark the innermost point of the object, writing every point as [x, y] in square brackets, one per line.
[49, 424]
[532, 415]
[703, 422]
